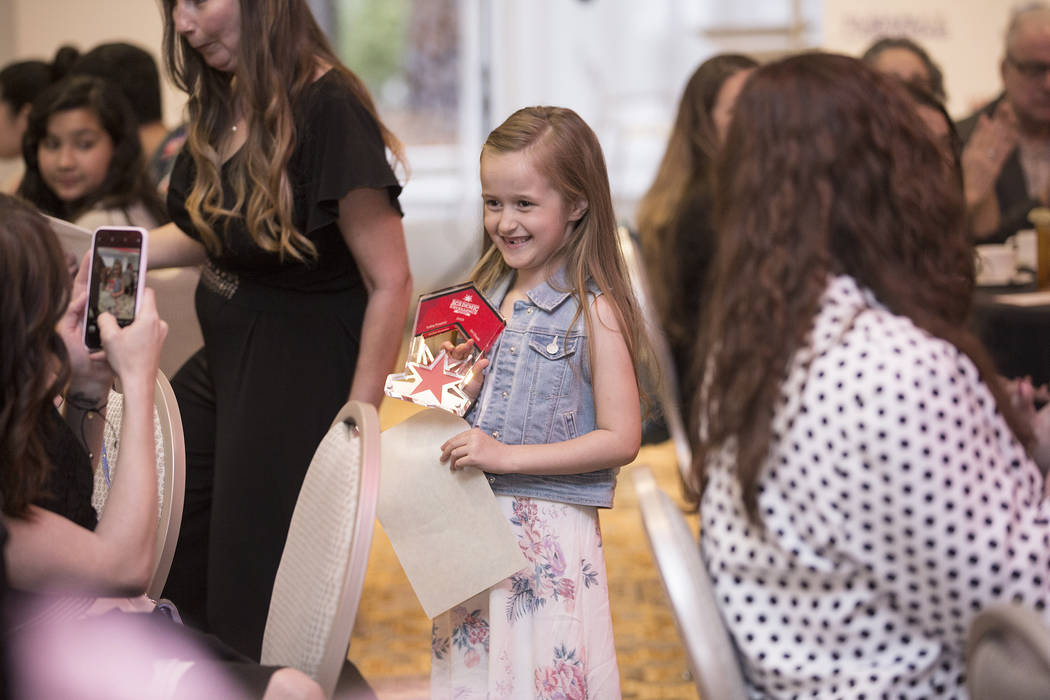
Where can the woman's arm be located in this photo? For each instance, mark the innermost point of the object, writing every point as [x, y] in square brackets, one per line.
[993, 140]
[613, 443]
[45, 550]
[372, 230]
[170, 247]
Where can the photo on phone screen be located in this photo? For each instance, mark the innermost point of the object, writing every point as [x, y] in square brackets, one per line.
[118, 267]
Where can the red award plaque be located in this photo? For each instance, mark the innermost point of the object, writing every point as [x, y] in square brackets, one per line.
[432, 377]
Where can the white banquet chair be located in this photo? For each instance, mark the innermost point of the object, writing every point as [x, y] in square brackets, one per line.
[712, 655]
[667, 381]
[1008, 654]
[170, 450]
[322, 570]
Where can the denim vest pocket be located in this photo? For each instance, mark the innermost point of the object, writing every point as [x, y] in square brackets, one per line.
[554, 398]
[552, 360]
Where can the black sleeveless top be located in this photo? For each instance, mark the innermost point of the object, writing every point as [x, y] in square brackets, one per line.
[70, 482]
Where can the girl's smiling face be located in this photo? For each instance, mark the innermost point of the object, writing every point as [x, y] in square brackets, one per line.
[74, 154]
[526, 218]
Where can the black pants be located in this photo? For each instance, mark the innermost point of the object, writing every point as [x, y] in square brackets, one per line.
[255, 402]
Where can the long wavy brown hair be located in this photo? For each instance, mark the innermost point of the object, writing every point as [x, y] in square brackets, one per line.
[683, 177]
[566, 151]
[34, 366]
[826, 170]
[280, 53]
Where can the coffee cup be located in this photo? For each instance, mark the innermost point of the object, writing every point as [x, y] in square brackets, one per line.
[996, 264]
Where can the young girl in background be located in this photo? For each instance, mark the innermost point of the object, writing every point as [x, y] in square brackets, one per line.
[556, 416]
[83, 158]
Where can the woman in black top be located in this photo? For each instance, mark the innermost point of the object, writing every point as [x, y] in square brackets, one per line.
[285, 192]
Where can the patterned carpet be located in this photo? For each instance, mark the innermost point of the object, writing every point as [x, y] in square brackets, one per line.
[391, 640]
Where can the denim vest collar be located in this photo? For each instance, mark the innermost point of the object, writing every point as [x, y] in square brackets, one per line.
[537, 390]
[547, 295]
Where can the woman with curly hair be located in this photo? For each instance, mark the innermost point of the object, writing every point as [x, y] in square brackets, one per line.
[284, 191]
[867, 484]
[83, 159]
[674, 217]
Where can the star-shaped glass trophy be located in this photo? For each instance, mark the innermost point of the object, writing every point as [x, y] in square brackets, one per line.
[432, 376]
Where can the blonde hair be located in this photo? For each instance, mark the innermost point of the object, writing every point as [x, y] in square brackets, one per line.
[273, 69]
[566, 152]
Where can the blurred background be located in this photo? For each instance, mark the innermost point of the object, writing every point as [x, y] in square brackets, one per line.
[444, 72]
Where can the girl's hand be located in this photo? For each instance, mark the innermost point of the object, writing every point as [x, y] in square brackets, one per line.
[134, 351]
[475, 448]
[462, 352]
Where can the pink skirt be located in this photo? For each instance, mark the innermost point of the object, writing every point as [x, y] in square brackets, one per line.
[545, 632]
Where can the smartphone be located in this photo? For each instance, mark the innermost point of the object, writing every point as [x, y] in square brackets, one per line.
[117, 277]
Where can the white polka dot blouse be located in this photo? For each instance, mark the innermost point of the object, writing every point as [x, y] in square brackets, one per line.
[896, 504]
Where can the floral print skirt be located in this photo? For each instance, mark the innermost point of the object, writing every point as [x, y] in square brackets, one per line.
[546, 631]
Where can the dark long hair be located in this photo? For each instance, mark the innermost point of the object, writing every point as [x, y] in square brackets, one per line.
[22, 81]
[935, 83]
[126, 182]
[827, 169]
[34, 366]
[278, 56]
[954, 144]
[683, 184]
[133, 69]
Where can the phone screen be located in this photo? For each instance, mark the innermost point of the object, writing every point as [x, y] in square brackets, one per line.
[116, 277]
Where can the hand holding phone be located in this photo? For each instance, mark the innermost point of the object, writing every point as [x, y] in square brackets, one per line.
[117, 278]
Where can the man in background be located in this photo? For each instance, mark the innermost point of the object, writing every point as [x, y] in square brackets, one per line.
[1006, 162]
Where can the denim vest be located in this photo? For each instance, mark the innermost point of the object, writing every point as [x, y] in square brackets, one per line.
[538, 390]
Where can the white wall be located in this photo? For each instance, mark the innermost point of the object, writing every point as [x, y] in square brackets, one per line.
[37, 28]
[965, 37]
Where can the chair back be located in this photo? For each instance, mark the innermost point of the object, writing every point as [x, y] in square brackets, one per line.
[170, 450]
[667, 381]
[712, 656]
[175, 289]
[1008, 654]
[322, 570]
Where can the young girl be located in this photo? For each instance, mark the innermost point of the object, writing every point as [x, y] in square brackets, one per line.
[83, 159]
[558, 413]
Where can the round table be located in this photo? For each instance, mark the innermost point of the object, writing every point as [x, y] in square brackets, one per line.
[1016, 335]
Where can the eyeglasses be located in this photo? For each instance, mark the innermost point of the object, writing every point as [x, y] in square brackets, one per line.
[1029, 69]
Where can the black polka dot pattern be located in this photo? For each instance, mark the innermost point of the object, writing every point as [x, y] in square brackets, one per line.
[896, 505]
